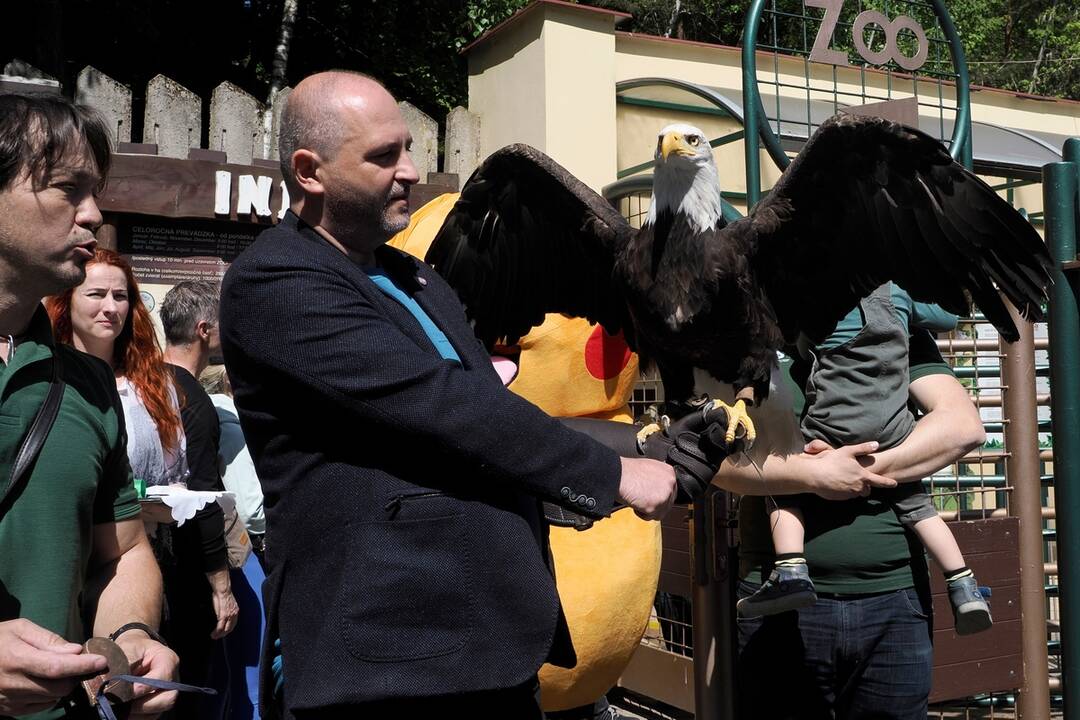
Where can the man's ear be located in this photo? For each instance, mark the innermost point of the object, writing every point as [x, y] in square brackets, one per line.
[202, 330]
[305, 163]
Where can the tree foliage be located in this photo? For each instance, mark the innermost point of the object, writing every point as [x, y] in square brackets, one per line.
[1026, 45]
[712, 21]
[414, 45]
[1030, 46]
[411, 45]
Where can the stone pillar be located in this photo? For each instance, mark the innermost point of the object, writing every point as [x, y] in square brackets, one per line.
[425, 134]
[109, 97]
[23, 69]
[173, 117]
[462, 143]
[235, 126]
[275, 125]
[23, 78]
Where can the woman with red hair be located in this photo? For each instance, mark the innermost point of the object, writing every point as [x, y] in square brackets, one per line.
[105, 317]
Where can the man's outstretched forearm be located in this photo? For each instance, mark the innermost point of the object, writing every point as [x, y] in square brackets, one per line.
[777, 465]
[835, 475]
[950, 429]
[693, 445]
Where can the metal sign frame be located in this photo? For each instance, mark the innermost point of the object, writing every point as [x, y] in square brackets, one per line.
[754, 111]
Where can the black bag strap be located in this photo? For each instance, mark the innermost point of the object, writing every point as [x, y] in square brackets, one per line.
[39, 431]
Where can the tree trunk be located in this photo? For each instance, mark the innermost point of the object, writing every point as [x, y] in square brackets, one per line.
[278, 69]
[676, 10]
[1042, 49]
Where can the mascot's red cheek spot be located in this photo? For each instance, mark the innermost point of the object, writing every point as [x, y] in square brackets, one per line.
[605, 355]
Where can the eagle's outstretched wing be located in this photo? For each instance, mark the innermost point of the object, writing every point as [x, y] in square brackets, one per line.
[868, 201]
[527, 238]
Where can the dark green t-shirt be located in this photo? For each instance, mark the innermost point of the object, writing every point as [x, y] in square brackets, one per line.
[81, 478]
[910, 313]
[854, 546]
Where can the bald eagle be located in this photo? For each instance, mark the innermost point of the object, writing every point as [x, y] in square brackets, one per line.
[865, 202]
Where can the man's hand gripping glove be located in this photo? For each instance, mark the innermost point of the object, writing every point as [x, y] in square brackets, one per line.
[693, 445]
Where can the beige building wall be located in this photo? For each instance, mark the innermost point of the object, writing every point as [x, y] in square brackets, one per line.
[579, 77]
[721, 67]
[546, 78]
[507, 89]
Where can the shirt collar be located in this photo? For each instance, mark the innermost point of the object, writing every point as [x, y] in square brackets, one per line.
[36, 344]
[40, 330]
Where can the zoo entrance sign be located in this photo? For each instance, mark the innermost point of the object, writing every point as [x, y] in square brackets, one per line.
[180, 188]
[821, 51]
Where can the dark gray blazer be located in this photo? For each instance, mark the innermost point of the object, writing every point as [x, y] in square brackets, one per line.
[401, 489]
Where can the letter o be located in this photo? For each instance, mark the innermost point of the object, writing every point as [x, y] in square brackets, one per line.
[865, 18]
[915, 61]
[891, 28]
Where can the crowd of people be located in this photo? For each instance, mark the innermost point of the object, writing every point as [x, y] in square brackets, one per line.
[397, 513]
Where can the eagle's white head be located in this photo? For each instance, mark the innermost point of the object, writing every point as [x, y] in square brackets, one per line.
[686, 179]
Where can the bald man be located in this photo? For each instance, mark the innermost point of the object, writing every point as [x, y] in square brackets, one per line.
[403, 483]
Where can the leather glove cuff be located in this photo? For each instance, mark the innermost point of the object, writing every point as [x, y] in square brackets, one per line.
[559, 516]
[696, 460]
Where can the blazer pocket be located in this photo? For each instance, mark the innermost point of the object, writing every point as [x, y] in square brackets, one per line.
[411, 596]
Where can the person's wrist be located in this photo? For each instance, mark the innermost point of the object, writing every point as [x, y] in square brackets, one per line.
[219, 581]
[135, 631]
[810, 469]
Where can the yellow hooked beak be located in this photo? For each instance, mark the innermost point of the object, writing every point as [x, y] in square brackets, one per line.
[674, 142]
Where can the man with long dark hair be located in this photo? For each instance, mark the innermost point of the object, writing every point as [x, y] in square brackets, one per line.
[72, 544]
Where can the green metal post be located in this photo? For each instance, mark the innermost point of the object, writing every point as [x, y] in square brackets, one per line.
[961, 139]
[752, 118]
[1060, 182]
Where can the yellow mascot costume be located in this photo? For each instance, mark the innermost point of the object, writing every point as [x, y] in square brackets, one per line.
[606, 575]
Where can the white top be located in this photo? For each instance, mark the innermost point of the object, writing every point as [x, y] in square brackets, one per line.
[149, 460]
[239, 474]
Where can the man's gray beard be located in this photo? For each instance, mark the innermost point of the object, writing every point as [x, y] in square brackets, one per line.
[359, 219]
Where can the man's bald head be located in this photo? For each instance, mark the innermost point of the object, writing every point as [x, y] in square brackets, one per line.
[311, 119]
[345, 156]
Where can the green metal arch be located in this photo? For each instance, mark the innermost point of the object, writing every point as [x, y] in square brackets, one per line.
[754, 111]
[705, 93]
[644, 183]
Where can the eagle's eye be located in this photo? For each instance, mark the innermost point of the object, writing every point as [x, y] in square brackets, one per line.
[694, 140]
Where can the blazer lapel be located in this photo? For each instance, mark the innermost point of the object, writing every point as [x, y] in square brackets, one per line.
[393, 309]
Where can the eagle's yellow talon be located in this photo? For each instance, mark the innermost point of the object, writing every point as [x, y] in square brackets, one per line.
[738, 418]
[646, 431]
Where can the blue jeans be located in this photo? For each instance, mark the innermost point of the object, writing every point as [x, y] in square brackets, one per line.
[243, 644]
[856, 657]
